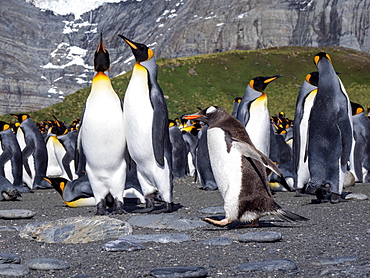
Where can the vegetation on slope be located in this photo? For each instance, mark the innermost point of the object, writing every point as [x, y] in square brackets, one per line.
[216, 79]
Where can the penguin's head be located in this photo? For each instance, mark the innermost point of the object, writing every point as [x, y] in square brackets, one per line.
[260, 83]
[21, 117]
[356, 108]
[238, 100]
[313, 78]
[208, 115]
[4, 126]
[320, 56]
[101, 59]
[141, 51]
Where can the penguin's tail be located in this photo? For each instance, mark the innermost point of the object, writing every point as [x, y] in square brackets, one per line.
[289, 216]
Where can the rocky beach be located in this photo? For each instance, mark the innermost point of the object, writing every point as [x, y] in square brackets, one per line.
[41, 237]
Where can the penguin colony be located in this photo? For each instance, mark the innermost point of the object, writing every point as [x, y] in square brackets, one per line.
[246, 155]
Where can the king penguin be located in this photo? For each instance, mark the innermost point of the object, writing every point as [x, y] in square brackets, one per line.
[305, 99]
[254, 115]
[330, 134]
[103, 141]
[239, 169]
[11, 158]
[34, 153]
[146, 118]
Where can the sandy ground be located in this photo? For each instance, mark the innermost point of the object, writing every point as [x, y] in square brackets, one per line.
[333, 230]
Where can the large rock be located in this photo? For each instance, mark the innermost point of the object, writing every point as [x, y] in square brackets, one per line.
[45, 56]
[76, 230]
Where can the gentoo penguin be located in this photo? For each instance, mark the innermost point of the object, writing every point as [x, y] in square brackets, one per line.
[305, 100]
[330, 134]
[254, 115]
[239, 170]
[103, 142]
[361, 134]
[11, 158]
[146, 119]
[34, 153]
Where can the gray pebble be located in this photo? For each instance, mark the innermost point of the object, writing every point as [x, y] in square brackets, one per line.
[9, 258]
[16, 213]
[268, 265]
[213, 210]
[333, 260]
[46, 264]
[8, 229]
[159, 238]
[260, 237]
[165, 221]
[13, 269]
[179, 272]
[122, 245]
[218, 241]
[356, 196]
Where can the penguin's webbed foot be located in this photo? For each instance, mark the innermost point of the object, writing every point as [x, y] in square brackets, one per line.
[168, 207]
[101, 208]
[221, 223]
[118, 207]
[149, 206]
[336, 198]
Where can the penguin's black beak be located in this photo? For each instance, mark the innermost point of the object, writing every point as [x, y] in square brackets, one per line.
[272, 78]
[132, 44]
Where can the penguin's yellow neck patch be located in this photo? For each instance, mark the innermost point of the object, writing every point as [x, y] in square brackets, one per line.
[260, 101]
[100, 76]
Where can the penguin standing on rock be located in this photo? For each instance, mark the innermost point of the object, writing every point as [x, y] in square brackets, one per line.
[34, 153]
[146, 119]
[102, 137]
[330, 134]
[239, 170]
[254, 115]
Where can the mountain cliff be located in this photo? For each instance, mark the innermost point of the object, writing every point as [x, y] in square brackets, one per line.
[46, 56]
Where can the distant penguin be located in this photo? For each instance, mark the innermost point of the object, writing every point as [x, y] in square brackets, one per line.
[179, 152]
[305, 100]
[203, 163]
[236, 103]
[103, 142]
[239, 170]
[330, 134]
[361, 134]
[191, 143]
[34, 153]
[65, 149]
[11, 166]
[254, 115]
[146, 118]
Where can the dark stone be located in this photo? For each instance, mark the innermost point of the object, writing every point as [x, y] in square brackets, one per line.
[179, 272]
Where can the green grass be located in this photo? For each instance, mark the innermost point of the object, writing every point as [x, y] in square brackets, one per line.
[216, 79]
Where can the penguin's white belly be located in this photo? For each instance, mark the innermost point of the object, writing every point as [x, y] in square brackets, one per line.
[138, 118]
[26, 177]
[226, 167]
[7, 167]
[103, 136]
[53, 168]
[258, 129]
[303, 174]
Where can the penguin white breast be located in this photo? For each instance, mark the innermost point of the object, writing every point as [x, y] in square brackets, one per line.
[138, 116]
[258, 126]
[226, 167]
[102, 131]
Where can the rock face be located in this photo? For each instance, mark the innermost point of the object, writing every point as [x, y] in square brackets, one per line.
[45, 56]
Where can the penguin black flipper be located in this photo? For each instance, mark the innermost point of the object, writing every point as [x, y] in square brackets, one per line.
[4, 157]
[250, 151]
[160, 122]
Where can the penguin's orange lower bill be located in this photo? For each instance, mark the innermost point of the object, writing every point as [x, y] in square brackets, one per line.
[191, 117]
